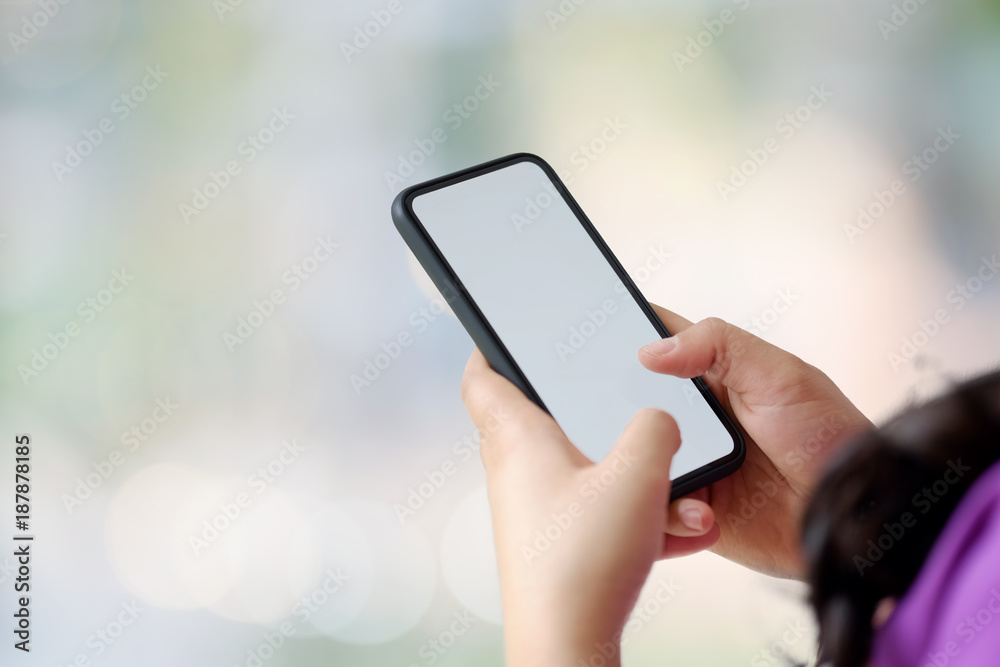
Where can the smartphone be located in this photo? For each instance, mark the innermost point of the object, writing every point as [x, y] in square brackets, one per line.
[554, 312]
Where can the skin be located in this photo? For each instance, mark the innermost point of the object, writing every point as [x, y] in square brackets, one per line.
[576, 540]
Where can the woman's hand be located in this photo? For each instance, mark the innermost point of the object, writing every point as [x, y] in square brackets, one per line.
[575, 540]
[793, 416]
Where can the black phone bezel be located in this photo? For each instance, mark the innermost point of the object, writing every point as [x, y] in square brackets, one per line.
[487, 340]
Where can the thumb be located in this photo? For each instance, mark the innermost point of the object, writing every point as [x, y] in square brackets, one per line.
[644, 453]
[718, 351]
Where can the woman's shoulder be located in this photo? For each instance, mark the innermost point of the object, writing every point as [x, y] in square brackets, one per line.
[951, 614]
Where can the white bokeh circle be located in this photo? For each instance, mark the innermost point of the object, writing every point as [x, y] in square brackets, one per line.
[259, 546]
[468, 558]
[148, 528]
[330, 547]
[402, 578]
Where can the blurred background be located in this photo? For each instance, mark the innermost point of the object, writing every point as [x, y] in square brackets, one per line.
[199, 282]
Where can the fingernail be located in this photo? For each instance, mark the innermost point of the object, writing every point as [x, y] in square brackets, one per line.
[660, 347]
[691, 518]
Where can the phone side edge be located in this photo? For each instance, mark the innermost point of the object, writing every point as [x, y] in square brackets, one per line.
[455, 295]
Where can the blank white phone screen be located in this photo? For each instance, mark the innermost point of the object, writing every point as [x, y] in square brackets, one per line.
[561, 311]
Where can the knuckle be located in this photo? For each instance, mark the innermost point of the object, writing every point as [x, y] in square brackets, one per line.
[723, 364]
[796, 373]
[715, 325]
[729, 343]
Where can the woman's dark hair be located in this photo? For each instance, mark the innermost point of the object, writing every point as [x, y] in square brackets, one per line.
[883, 502]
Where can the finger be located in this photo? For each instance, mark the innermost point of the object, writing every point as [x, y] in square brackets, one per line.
[671, 320]
[689, 517]
[653, 437]
[644, 453]
[676, 324]
[718, 351]
[511, 427]
[675, 547]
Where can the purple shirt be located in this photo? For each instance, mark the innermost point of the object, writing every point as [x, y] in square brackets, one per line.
[950, 617]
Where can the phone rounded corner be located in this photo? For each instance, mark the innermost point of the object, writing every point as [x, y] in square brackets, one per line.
[538, 161]
[712, 472]
[527, 156]
[399, 210]
[741, 449]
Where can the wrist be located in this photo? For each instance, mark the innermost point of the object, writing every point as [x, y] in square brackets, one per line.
[559, 639]
[533, 651]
